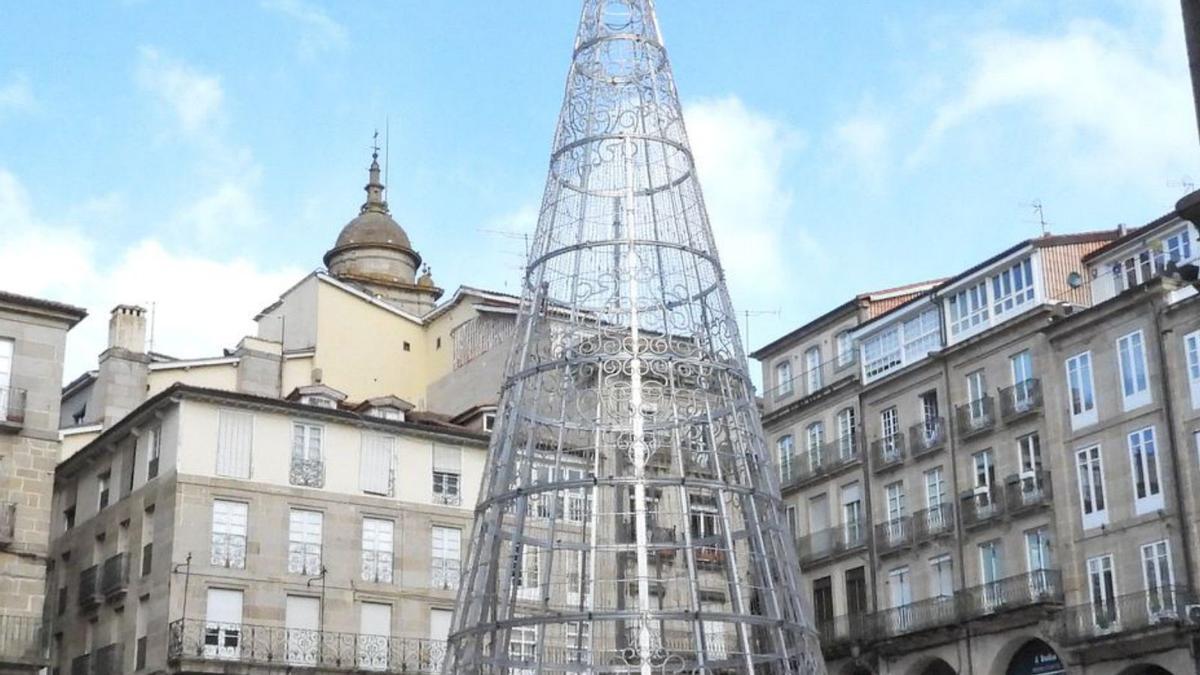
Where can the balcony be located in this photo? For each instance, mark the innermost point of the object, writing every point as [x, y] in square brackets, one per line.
[826, 460]
[114, 577]
[976, 417]
[894, 535]
[12, 408]
[307, 472]
[447, 498]
[840, 634]
[21, 640]
[917, 617]
[1028, 492]
[81, 665]
[195, 641]
[8, 523]
[927, 437]
[1020, 400]
[831, 543]
[89, 588]
[445, 574]
[887, 452]
[108, 660]
[1136, 614]
[981, 508]
[933, 522]
[1040, 587]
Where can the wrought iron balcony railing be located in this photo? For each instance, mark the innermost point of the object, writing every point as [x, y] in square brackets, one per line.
[1021, 399]
[447, 498]
[1132, 614]
[927, 436]
[887, 452]
[829, 457]
[445, 574]
[1039, 587]
[81, 665]
[831, 542]
[12, 406]
[893, 535]
[839, 633]
[21, 639]
[108, 660]
[89, 587]
[307, 472]
[933, 522]
[981, 507]
[1028, 491]
[917, 616]
[8, 522]
[976, 417]
[200, 640]
[114, 577]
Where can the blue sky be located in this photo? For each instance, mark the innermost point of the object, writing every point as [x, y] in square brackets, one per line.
[201, 156]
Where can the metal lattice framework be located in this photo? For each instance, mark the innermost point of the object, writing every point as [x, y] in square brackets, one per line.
[630, 520]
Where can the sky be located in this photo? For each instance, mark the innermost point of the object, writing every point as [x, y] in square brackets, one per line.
[200, 157]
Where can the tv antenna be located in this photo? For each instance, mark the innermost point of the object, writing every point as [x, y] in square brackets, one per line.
[1185, 183]
[746, 314]
[1040, 212]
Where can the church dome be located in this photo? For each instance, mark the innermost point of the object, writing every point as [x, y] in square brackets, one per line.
[374, 244]
[373, 226]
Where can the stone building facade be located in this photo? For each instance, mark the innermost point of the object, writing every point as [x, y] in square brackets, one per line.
[997, 411]
[32, 341]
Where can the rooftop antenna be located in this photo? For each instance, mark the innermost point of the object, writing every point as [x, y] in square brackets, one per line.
[387, 154]
[1036, 205]
[153, 318]
[1184, 182]
[746, 314]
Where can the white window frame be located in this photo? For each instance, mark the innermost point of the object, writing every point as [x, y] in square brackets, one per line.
[935, 489]
[154, 451]
[1133, 369]
[1039, 549]
[230, 530]
[1012, 288]
[1101, 566]
[969, 309]
[1158, 575]
[446, 558]
[814, 442]
[845, 349]
[881, 353]
[783, 378]
[234, 461]
[1191, 352]
[889, 429]
[938, 565]
[1145, 470]
[378, 549]
[522, 648]
[1081, 378]
[786, 447]
[306, 532]
[847, 424]
[308, 441]
[812, 369]
[529, 577]
[1089, 463]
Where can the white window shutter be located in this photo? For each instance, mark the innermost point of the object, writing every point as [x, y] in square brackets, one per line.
[375, 464]
[447, 458]
[235, 442]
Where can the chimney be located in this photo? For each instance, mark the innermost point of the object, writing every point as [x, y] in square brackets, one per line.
[124, 368]
[260, 366]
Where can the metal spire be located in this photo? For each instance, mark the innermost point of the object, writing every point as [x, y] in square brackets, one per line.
[374, 187]
[630, 520]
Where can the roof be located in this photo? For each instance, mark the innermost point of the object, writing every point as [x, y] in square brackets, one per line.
[72, 313]
[427, 423]
[1131, 235]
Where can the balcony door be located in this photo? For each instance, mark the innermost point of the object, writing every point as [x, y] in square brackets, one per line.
[6, 357]
[1038, 560]
[990, 573]
[374, 628]
[930, 412]
[889, 423]
[439, 633]
[303, 621]
[976, 390]
[894, 493]
[1102, 587]
[941, 571]
[1156, 569]
[852, 514]
[823, 605]
[1022, 376]
[818, 523]
[900, 591]
[985, 479]
[223, 624]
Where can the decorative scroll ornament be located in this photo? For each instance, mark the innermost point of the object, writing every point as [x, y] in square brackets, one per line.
[630, 519]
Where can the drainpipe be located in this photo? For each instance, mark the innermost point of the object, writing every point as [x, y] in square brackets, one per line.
[952, 448]
[1169, 413]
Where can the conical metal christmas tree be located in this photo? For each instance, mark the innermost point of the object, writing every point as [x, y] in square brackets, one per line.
[630, 520]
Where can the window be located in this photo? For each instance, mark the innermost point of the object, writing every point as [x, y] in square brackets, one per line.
[1142, 266]
[154, 451]
[579, 642]
[69, 517]
[977, 405]
[1156, 570]
[318, 400]
[223, 624]
[845, 349]
[882, 353]
[786, 446]
[1091, 487]
[376, 464]
[528, 570]
[141, 621]
[235, 440]
[1082, 390]
[229, 534]
[447, 550]
[941, 573]
[895, 527]
[847, 427]
[792, 520]
[1143, 460]
[812, 368]
[930, 418]
[1191, 348]
[103, 483]
[856, 591]
[1102, 587]
[1037, 551]
[307, 467]
[823, 602]
[814, 437]
[783, 378]
[522, 648]
[374, 629]
[968, 308]
[1177, 247]
[6, 358]
[302, 618]
[889, 423]
[1135, 388]
[935, 489]
[304, 542]
[148, 540]
[990, 573]
[922, 334]
[447, 474]
[852, 513]
[407, 346]
[1012, 287]
[377, 551]
[1021, 365]
[578, 585]
[489, 422]
[900, 587]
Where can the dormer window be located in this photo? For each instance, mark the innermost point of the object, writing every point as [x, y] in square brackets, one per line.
[489, 421]
[1141, 266]
[387, 413]
[317, 395]
[318, 401]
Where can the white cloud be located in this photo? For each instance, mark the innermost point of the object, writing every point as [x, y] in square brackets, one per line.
[1100, 100]
[319, 32]
[195, 99]
[202, 303]
[228, 207]
[861, 142]
[740, 156]
[16, 95]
